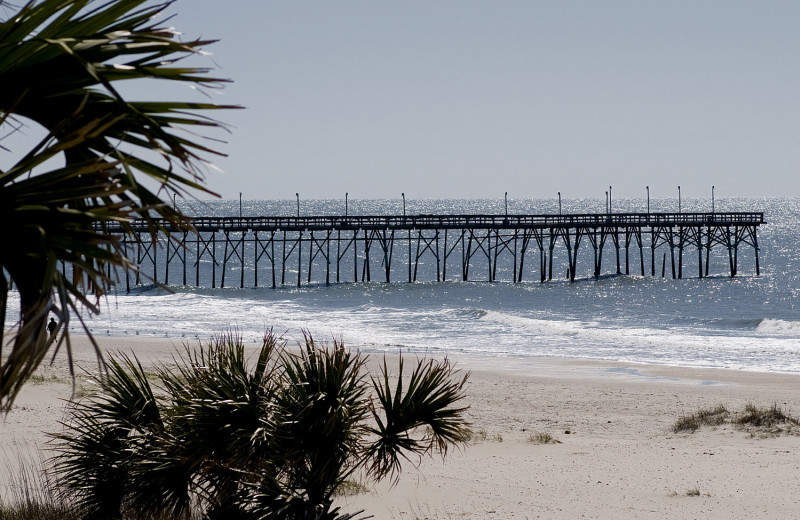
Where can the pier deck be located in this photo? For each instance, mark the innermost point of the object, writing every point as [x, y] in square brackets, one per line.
[331, 245]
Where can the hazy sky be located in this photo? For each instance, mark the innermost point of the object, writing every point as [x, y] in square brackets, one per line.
[445, 99]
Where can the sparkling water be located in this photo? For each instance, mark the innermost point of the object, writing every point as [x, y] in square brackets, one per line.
[748, 322]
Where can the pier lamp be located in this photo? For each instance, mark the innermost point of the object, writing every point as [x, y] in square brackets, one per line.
[606, 202]
[712, 199]
[648, 199]
[609, 199]
[506, 204]
[679, 199]
[345, 203]
[559, 203]
[240, 204]
[298, 204]
[174, 204]
[404, 203]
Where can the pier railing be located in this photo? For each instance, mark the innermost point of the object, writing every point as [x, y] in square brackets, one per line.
[353, 247]
[416, 222]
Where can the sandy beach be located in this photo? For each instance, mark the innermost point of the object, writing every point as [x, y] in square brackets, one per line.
[616, 455]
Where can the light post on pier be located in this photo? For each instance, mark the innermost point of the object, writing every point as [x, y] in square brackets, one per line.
[648, 200]
[679, 199]
[240, 204]
[559, 203]
[506, 204]
[712, 200]
[298, 204]
[409, 236]
[609, 199]
[606, 202]
[345, 203]
[174, 204]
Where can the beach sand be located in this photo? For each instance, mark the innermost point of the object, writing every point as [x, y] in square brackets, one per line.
[620, 458]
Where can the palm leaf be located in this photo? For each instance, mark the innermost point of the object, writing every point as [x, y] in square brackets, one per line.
[419, 419]
[59, 61]
[234, 440]
[106, 437]
[223, 415]
[324, 406]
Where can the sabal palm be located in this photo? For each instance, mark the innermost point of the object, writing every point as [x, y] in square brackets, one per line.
[274, 441]
[60, 62]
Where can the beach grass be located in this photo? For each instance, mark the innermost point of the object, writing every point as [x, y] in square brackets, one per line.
[36, 511]
[542, 438]
[45, 379]
[478, 436]
[31, 494]
[770, 420]
[765, 417]
[704, 417]
[349, 488]
[767, 422]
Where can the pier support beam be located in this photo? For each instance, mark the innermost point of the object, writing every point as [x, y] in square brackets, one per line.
[504, 241]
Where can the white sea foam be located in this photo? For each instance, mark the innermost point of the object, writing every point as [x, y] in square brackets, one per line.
[779, 327]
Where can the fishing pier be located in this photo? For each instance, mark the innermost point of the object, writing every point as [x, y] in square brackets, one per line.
[273, 251]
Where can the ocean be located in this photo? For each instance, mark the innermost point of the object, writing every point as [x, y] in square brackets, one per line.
[745, 323]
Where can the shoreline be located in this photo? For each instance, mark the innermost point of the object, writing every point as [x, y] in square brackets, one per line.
[513, 363]
[620, 459]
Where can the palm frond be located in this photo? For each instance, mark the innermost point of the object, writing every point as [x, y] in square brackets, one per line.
[59, 63]
[324, 406]
[91, 463]
[223, 413]
[429, 402]
[107, 433]
[232, 439]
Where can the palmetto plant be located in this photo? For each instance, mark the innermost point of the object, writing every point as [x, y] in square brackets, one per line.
[96, 461]
[275, 440]
[61, 62]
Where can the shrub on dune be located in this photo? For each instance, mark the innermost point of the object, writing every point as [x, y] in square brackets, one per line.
[277, 439]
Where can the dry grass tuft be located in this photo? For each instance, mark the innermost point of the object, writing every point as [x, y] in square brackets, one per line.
[763, 422]
[542, 438]
[766, 422]
[478, 436]
[765, 417]
[707, 417]
[32, 494]
[350, 488]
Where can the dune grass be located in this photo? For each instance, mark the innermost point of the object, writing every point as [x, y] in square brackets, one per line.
[478, 436]
[770, 420]
[46, 379]
[704, 417]
[31, 494]
[765, 417]
[542, 438]
[349, 488]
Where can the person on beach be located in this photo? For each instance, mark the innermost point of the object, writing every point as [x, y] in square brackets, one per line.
[51, 327]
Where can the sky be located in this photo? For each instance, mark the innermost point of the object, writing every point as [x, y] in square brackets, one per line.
[471, 99]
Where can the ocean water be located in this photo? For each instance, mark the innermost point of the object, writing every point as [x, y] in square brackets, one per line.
[747, 323]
